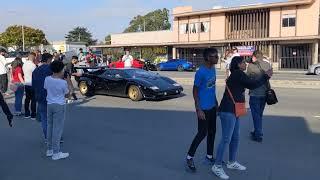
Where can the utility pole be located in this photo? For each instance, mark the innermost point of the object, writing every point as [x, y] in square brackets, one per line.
[22, 29]
[144, 25]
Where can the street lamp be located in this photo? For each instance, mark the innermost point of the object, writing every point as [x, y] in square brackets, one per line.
[23, 46]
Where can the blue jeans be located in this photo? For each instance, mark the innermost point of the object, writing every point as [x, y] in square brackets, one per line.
[257, 105]
[230, 136]
[18, 98]
[42, 115]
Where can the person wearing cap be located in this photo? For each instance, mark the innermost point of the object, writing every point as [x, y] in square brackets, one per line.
[38, 77]
[3, 72]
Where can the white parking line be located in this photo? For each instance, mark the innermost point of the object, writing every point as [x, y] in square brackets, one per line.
[317, 116]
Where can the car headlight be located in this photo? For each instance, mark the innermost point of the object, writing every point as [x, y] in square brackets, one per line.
[154, 88]
[176, 85]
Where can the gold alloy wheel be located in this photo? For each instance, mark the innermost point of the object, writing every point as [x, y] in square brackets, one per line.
[134, 93]
[83, 88]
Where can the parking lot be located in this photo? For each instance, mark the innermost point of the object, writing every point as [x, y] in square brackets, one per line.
[115, 138]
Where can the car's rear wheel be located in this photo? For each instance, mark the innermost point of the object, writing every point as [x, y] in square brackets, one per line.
[317, 71]
[180, 68]
[85, 89]
[134, 93]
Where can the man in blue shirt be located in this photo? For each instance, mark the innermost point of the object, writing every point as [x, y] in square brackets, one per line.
[38, 77]
[204, 94]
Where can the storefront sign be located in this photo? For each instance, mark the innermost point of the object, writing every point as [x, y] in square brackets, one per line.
[246, 50]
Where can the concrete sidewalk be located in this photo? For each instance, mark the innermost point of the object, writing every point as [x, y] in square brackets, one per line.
[274, 83]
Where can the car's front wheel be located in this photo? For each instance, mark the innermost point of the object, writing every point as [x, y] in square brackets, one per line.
[134, 93]
[317, 71]
[180, 68]
[85, 89]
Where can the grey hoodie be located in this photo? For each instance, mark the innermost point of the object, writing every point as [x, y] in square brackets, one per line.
[254, 72]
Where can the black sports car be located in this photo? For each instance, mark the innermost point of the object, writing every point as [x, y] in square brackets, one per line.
[137, 84]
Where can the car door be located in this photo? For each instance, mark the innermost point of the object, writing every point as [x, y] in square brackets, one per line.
[170, 65]
[116, 83]
[102, 83]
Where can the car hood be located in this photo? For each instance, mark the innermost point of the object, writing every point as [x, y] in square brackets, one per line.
[163, 83]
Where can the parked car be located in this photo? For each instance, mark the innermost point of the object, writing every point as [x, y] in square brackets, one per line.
[314, 69]
[149, 66]
[176, 65]
[137, 84]
[120, 64]
[14, 54]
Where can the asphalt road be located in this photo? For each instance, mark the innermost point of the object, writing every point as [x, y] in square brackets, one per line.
[221, 75]
[115, 138]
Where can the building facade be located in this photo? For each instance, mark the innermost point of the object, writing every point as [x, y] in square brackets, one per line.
[286, 32]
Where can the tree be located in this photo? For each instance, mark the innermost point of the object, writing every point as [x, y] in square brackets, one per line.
[153, 21]
[80, 34]
[13, 37]
[107, 39]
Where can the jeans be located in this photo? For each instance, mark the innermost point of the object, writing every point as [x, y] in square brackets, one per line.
[30, 98]
[257, 105]
[56, 117]
[205, 128]
[42, 115]
[230, 136]
[18, 98]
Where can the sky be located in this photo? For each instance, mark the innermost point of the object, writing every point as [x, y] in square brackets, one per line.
[102, 17]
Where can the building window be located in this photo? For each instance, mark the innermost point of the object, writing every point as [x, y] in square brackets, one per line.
[204, 27]
[184, 29]
[289, 20]
[194, 28]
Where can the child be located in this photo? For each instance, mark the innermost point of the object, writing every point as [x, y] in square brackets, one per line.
[57, 89]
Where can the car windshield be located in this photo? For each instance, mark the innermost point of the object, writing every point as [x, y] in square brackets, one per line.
[134, 73]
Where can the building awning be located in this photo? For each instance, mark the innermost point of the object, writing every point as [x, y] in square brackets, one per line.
[208, 43]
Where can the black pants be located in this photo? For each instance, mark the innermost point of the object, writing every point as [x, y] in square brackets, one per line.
[3, 83]
[4, 106]
[30, 98]
[205, 128]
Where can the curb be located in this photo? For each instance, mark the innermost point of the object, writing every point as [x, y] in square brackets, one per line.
[274, 83]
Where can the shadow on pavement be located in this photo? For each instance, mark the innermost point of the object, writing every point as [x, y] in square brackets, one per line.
[139, 144]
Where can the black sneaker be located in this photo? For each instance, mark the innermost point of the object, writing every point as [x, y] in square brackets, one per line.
[210, 160]
[191, 165]
[256, 139]
[10, 117]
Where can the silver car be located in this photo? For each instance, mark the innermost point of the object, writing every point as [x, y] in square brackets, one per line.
[314, 69]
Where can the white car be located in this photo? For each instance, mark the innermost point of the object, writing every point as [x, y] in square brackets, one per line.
[13, 55]
[314, 69]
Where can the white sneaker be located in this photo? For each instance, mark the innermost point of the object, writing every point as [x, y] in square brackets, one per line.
[218, 171]
[60, 155]
[49, 153]
[236, 166]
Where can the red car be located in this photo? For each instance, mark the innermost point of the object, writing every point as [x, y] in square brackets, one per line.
[120, 64]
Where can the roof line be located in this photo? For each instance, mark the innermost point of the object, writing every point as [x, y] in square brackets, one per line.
[231, 9]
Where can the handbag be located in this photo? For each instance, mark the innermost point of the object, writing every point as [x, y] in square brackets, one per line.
[271, 97]
[240, 108]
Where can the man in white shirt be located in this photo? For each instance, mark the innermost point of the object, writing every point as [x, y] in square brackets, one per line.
[228, 61]
[3, 72]
[127, 59]
[28, 68]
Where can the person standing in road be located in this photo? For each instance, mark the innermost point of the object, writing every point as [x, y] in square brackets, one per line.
[127, 59]
[257, 101]
[232, 53]
[28, 68]
[70, 71]
[57, 89]
[3, 73]
[38, 77]
[204, 94]
[38, 57]
[17, 81]
[236, 84]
